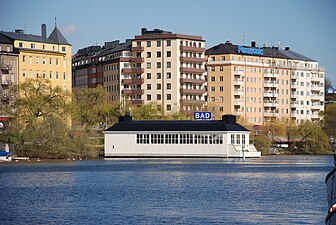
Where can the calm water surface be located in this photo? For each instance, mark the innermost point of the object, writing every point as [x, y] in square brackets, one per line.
[270, 190]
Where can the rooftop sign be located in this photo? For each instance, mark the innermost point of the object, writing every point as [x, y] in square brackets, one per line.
[202, 115]
[250, 51]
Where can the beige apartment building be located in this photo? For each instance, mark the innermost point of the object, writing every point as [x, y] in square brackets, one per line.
[261, 84]
[166, 69]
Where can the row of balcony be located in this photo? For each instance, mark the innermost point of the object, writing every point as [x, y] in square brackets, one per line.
[182, 70]
[182, 48]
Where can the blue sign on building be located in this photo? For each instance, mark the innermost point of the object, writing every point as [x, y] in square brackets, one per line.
[330, 91]
[202, 115]
[250, 51]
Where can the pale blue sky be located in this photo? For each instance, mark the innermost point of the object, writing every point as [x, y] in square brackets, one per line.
[307, 26]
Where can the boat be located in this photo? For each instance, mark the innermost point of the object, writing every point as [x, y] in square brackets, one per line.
[331, 193]
[5, 156]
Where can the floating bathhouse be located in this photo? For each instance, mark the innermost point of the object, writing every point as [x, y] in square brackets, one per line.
[178, 138]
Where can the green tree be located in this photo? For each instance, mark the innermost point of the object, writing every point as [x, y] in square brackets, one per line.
[313, 137]
[262, 143]
[329, 120]
[91, 108]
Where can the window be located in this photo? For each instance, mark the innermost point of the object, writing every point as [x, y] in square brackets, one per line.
[158, 43]
[223, 58]
[57, 75]
[32, 46]
[64, 76]
[30, 59]
[21, 45]
[158, 65]
[50, 75]
[31, 73]
[149, 43]
[158, 86]
[43, 60]
[232, 139]
[168, 86]
[149, 65]
[221, 68]
[221, 99]
[168, 75]
[221, 89]
[158, 76]
[23, 73]
[56, 62]
[168, 64]
[63, 49]
[158, 54]
[213, 79]
[168, 107]
[44, 74]
[158, 97]
[212, 89]
[238, 139]
[37, 74]
[221, 78]
[168, 53]
[149, 86]
[168, 42]
[212, 68]
[149, 54]
[243, 139]
[149, 97]
[149, 76]
[168, 96]
[37, 60]
[50, 61]
[24, 58]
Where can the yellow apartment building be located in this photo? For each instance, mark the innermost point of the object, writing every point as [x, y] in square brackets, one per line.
[40, 56]
[261, 84]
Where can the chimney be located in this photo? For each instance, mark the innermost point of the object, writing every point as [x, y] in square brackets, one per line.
[143, 30]
[228, 118]
[44, 30]
[126, 118]
[253, 44]
[19, 31]
[287, 48]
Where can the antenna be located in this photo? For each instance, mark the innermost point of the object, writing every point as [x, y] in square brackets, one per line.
[55, 22]
[243, 38]
[25, 28]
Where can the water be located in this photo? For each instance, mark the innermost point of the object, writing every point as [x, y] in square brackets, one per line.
[270, 190]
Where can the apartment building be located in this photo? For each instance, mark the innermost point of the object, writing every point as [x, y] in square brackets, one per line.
[40, 56]
[155, 67]
[9, 70]
[172, 68]
[261, 84]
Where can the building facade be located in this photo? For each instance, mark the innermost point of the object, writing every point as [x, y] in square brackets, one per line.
[261, 84]
[172, 67]
[44, 57]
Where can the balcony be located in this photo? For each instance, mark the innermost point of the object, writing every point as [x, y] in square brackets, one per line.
[192, 59]
[132, 70]
[132, 91]
[238, 92]
[271, 114]
[316, 88]
[294, 77]
[294, 95]
[294, 85]
[137, 49]
[132, 81]
[191, 102]
[315, 116]
[271, 84]
[316, 79]
[192, 91]
[191, 70]
[294, 104]
[271, 75]
[316, 106]
[271, 94]
[238, 112]
[238, 72]
[193, 81]
[136, 60]
[316, 97]
[238, 82]
[136, 102]
[238, 102]
[271, 103]
[293, 114]
[191, 49]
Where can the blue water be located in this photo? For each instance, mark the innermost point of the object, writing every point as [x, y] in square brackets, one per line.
[270, 190]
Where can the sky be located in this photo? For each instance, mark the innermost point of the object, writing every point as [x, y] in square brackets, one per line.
[306, 26]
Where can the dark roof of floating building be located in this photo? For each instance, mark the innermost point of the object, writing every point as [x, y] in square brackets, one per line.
[228, 123]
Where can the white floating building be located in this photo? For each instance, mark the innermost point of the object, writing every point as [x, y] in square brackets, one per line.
[178, 138]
